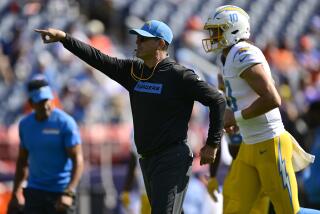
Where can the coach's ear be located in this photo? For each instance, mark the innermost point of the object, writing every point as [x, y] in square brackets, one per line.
[162, 45]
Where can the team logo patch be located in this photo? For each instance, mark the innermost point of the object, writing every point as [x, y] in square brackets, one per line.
[147, 87]
[51, 131]
[241, 51]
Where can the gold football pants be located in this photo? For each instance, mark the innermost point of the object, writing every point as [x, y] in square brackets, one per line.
[262, 169]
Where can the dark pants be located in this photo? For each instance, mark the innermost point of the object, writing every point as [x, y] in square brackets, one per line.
[166, 176]
[40, 202]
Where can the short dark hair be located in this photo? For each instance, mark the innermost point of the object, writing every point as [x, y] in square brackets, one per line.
[36, 84]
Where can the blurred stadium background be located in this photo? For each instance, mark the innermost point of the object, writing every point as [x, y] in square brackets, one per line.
[288, 31]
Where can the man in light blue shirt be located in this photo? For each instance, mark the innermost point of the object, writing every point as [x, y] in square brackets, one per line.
[50, 156]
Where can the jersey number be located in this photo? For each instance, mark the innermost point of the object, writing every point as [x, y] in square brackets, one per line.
[233, 17]
[232, 101]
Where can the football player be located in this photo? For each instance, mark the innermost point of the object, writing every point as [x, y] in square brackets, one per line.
[264, 163]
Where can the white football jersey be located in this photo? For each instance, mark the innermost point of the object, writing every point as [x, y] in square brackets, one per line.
[241, 95]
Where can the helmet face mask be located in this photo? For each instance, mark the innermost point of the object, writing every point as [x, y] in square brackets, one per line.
[226, 27]
[216, 39]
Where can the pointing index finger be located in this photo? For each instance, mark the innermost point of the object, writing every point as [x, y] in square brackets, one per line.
[40, 31]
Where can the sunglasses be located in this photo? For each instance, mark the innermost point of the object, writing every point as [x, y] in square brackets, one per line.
[144, 39]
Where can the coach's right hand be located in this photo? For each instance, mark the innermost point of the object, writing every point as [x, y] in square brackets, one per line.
[51, 35]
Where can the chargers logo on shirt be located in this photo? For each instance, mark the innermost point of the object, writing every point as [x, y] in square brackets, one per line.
[147, 87]
[51, 131]
[240, 51]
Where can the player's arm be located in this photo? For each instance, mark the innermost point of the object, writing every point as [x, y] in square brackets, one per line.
[66, 200]
[76, 156]
[21, 170]
[73, 148]
[21, 175]
[264, 86]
